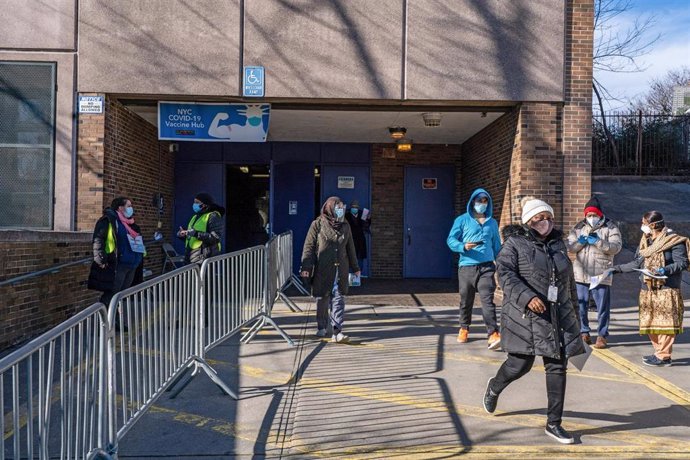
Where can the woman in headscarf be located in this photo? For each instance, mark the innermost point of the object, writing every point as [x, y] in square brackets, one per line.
[327, 257]
[539, 314]
[664, 253]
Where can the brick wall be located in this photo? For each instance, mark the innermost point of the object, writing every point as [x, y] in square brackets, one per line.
[34, 306]
[487, 159]
[577, 111]
[90, 161]
[136, 164]
[387, 176]
[120, 155]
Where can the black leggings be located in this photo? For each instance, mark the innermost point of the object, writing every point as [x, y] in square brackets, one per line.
[518, 365]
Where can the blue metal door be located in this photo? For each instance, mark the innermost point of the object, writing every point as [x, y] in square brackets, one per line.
[428, 217]
[359, 192]
[292, 203]
[190, 179]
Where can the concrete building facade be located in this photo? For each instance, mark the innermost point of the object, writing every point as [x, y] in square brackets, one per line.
[510, 80]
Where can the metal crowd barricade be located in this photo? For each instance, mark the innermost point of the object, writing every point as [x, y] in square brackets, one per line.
[154, 340]
[54, 387]
[285, 277]
[80, 387]
[278, 268]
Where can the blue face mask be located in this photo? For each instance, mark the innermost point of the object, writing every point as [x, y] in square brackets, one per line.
[354, 211]
[339, 212]
[196, 207]
[129, 212]
[480, 208]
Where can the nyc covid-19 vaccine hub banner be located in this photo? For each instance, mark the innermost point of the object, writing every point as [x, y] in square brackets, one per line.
[210, 122]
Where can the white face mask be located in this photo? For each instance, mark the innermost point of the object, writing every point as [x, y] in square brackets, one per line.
[593, 221]
[646, 230]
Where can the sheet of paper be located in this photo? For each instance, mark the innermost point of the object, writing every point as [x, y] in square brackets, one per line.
[579, 361]
[646, 272]
[595, 281]
[365, 214]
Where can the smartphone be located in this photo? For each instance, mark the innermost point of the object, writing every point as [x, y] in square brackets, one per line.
[479, 243]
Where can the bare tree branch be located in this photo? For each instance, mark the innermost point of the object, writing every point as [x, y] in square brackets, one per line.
[618, 50]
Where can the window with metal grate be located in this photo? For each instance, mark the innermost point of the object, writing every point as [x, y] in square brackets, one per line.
[27, 144]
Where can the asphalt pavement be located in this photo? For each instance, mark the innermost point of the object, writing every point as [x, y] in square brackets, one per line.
[404, 388]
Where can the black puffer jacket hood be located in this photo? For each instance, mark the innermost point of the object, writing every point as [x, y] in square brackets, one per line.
[526, 267]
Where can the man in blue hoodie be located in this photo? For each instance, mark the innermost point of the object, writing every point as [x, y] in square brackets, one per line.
[475, 236]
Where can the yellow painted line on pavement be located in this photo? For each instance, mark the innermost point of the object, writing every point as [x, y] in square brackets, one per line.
[451, 356]
[505, 451]
[333, 387]
[235, 430]
[644, 377]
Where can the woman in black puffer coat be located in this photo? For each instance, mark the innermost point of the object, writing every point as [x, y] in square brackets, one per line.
[539, 314]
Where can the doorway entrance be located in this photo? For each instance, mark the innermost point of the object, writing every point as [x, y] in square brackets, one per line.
[247, 206]
[428, 217]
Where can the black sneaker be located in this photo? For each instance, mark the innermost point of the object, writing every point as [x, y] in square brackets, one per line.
[656, 362]
[490, 398]
[559, 433]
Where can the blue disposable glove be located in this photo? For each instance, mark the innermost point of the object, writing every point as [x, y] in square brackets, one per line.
[593, 238]
[582, 239]
[661, 271]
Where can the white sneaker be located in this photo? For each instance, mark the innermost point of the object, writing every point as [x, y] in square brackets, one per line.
[340, 338]
[321, 333]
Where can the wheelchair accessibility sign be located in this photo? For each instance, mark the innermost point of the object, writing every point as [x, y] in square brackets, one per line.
[253, 81]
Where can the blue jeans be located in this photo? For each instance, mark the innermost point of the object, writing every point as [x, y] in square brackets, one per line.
[602, 298]
[335, 302]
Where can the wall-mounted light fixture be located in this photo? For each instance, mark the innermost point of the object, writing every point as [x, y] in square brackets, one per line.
[404, 145]
[397, 132]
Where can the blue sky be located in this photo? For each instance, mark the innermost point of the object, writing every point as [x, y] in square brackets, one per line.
[671, 51]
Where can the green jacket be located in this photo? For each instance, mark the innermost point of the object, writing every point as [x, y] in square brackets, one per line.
[326, 250]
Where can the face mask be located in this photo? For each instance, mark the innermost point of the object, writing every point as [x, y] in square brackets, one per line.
[646, 230]
[339, 213]
[196, 207]
[480, 208]
[129, 212]
[543, 227]
[593, 221]
[354, 211]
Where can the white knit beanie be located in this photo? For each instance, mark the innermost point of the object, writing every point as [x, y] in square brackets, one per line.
[532, 206]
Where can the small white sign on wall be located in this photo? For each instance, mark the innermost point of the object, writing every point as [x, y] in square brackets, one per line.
[90, 104]
[292, 208]
[346, 182]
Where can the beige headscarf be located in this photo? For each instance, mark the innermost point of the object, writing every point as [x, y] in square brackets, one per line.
[654, 253]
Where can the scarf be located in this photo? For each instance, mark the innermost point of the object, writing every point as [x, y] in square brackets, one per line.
[654, 253]
[127, 222]
[328, 213]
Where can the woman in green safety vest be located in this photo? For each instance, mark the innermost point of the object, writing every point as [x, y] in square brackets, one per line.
[118, 251]
[204, 232]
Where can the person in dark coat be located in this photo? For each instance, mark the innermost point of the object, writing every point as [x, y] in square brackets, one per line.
[539, 315]
[204, 232]
[664, 253]
[327, 257]
[117, 264]
[359, 228]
